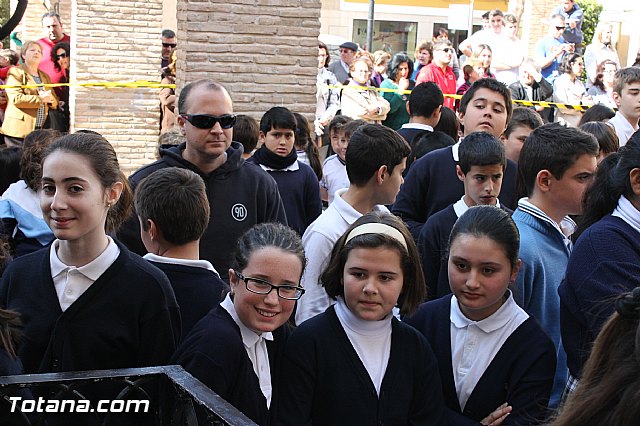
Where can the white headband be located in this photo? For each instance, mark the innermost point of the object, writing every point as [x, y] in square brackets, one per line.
[377, 228]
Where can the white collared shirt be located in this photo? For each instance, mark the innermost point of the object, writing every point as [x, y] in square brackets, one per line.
[623, 128]
[256, 348]
[474, 344]
[418, 126]
[71, 282]
[290, 168]
[204, 264]
[460, 207]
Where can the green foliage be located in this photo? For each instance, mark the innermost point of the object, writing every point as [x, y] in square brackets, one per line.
[591, 10]
[4, 17]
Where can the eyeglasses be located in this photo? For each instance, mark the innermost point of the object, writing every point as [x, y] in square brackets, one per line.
[560, 28]
[171, 45]
[62, 55]
[446, 50]
[260, 286]
[205, 121]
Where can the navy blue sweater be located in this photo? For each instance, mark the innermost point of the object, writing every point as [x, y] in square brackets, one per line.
[197, 290]
[521, 372]
[300, 192]
[240, 195]
[432, 184]
[605, 262]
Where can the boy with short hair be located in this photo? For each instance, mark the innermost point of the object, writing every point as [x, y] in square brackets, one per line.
[432, 182]
[556, 166]
[522, 123]
[626, 94]
[247, 132]
[480, 169]
[376, 158]
[297, 183]
[424, 106]
[173, 211]
[334, 171]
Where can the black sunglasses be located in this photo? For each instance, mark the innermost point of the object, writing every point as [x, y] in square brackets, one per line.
[62, 55]
[559, 28]
[171, 45]
[205, 121]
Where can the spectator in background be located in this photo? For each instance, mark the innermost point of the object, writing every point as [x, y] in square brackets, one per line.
[443, 34]
[54, 33]
[550, 49]
[600, 50]
[573, 16]
[61, 55]
[448, 124]
[508, 52]
[531, 86]
[327, 99]
[602, 89]
[398, 70]
[439, 70]
[422, 56]
[167, 96]
[568, 89]
[340, 68]
[246, 131]
[357, 103]
[597, 112]
[169, 43]
[380, 61]
[491, 36]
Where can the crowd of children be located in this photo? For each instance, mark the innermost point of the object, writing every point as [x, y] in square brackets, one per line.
[459, 296]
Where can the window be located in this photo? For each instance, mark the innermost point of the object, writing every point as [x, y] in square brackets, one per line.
[390, 36]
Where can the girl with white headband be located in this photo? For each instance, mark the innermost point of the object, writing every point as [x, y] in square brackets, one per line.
[356, 363]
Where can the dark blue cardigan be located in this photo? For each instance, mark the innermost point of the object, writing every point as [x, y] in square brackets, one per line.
[521, 373]
[605, 262]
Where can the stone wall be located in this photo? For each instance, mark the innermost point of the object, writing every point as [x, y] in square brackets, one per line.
[263, 51]
[535, 22]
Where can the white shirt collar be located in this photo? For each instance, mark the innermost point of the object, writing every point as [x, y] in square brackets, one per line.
[249, 337]
[291, 167]
[566, 227]
[91, 270]
[493, 322]
[205, 264]
[418, 126]
[627, 212]
[454, 151]
[460, 207]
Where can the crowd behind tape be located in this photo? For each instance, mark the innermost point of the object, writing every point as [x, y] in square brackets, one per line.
[156, 85]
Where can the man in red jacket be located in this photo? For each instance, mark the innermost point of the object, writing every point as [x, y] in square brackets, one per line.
[439, 70]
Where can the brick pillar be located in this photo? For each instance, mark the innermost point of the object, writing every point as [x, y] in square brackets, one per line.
[263, 51]
[117, 40]
[534, 23]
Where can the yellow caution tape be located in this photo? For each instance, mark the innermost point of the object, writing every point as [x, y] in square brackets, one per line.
[515, 101]
[108, 84]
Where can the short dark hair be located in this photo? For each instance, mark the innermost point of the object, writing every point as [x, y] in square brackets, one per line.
[395, 62]
[352, 126]
[167, 33]
[481, 149]
[567, 61]
[448, 123]
[9, 166]
[33, 149]
[186, 91]
[371, 147]
[277, 118]
[272, 234]
[246, 131]
[338, 122]
[414, 288]
[10, 55]
[176, 200]
[555, 148]
[606, 136]
[425, 143]
[491, 222]
[523, 117]
[493, 85]
[597, 112]
[424, 99]
[54, 57]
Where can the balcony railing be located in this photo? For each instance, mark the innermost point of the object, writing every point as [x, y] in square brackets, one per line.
[174, 397]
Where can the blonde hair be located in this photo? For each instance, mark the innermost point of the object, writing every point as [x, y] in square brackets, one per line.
[26, 45]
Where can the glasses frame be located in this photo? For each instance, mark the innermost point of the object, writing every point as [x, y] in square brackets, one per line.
[272, 286]
[171, 45]
[62, 55]
[213, 120]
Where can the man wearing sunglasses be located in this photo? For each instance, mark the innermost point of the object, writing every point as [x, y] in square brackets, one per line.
[53, 33]
[169, 43]
[550, 49]
[439, 71]
[240, 194]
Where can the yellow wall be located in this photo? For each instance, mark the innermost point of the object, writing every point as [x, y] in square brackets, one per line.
[477, 4]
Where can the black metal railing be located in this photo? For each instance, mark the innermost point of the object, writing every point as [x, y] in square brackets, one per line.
[174, 398]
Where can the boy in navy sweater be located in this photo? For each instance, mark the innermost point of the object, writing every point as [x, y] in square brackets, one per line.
[425, 104]
[297, 183]
[173, 211]
[480, 169]
[556, 166]
[432, 183]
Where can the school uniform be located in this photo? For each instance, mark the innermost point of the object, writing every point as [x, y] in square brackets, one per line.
[334, 176]
[214, 352]
[520, 372]
[127, 318]
[196, 284]
[323, 380]
[604, 263]
[432, 184]
[433, 243]
[410, 130]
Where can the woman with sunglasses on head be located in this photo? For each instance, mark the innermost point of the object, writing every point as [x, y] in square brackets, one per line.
[235, 349]
[61, 58]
